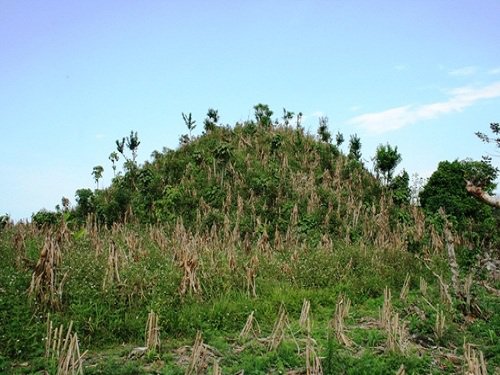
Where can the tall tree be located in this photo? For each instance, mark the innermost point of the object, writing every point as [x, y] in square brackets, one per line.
[386, 160]
[475, 183]
[190, 123]
[263, 115]
[97, 173]
[133, 144]
[355, 148]
[323, 131]
[210, 122]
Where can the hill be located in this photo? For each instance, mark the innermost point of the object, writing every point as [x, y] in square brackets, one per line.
[256, 249]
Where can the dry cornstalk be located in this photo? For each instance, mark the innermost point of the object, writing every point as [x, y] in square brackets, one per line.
[251, 327]
[44, 286]
[152, 332]
[313, 363]
[190, 282]
[251, 275]
[444, 292]
[405, 289]
[439, 326]
[65, 351]
[112, 269]
[278, 333]
[401, 370]
[196, 360]
[304, 313]
[386, 312]
[474, 361]
[423, 286]
[341, 312]
[397, 334]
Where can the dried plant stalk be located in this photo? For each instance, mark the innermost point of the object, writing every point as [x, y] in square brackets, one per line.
[423, 286]
[474, 362]
[196, 360]
[444, 292]
[279, 327]
[112, 270]
[65, 351]
[152, 332]
[439, 326]
[405, 289]
[313, 363]
[44, 286]
[386, 312]
[251, 275]
[397, 334]
[190, 282]
[341, 312]
[251, 327]
[401, 370]
[304, 313]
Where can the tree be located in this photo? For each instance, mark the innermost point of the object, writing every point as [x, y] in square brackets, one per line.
[133, 144]
[323, 132]
[210, 122]
[386, 160]
[97, 173]
[354, 148]
[113, 157]
[475, 182]
[263, 115]
[339, 139]
[400, 187]
[287, 116]
[444, 189]
[190, 123]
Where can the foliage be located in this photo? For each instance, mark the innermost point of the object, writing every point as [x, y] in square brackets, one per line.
[250, 221]
[446, 189]
[386, 160]
[355, 148]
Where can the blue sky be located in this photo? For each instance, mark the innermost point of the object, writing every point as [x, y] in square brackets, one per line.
[77, 75]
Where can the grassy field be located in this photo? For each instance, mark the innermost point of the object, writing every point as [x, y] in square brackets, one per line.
[151, 299]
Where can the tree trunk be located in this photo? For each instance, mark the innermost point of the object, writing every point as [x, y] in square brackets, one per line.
[478, 192]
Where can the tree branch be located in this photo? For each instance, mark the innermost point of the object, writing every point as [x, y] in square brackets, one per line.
[478, 192]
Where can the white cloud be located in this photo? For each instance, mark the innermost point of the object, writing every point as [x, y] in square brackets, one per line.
[464, 71]
[399, 117]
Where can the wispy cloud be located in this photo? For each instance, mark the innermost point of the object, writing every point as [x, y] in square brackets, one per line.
[464, 71]
[399, 117]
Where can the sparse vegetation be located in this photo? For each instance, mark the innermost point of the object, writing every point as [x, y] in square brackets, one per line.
[256, 249]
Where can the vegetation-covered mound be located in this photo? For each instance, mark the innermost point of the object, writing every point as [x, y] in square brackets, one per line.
[257, 248]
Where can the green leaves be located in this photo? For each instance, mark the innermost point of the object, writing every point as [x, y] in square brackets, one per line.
[386, 160]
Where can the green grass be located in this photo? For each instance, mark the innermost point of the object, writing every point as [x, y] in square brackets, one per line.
[111, 321]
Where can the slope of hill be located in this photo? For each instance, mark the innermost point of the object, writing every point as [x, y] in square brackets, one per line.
[254, 249]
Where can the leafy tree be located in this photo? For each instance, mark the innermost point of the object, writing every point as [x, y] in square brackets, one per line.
[386, 160]
[263, 115]
[210, 122]
[133, 144]
[97, 173]
[478, 179]
[85, 203]
[354, 148]
[495, 138]
[339, 139]
[113, 157]
[190, 123]
[323, 132]
[444, 189]
[400, 187]
[287, 116]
